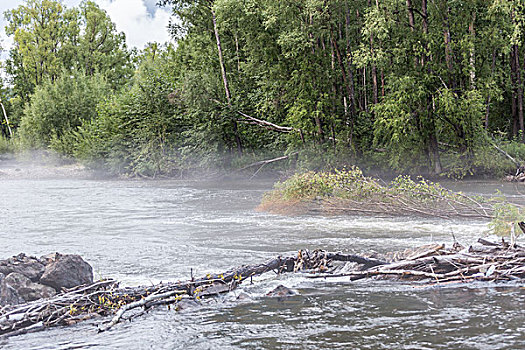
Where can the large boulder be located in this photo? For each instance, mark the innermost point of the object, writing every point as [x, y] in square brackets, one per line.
[16, 288]
[28, 266]
[67, 271]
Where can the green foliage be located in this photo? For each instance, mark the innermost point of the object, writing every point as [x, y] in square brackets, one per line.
[351, 183]
[51, 39]
[397, 128]
[316, 185]
[6, 145]
[406, 88]
[101, 49]
[41, 29]
[137, 131]
[58, 108]
[506, 219]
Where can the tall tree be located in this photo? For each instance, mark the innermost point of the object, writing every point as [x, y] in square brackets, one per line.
[39, 29]
[101, 49]
[48, 39]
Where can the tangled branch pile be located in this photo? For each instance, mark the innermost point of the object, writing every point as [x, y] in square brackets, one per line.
[486, 261]
[349, 191]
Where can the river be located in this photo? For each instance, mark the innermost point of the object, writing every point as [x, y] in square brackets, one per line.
[143, 232]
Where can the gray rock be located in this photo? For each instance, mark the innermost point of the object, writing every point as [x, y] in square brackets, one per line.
[186, 304]
[20, 289]
[280, 291]
[49, 258]
[8, 295]
[243, 296]
[28, 266]
[67, 271]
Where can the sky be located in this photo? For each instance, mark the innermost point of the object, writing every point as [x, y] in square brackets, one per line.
[140, 20]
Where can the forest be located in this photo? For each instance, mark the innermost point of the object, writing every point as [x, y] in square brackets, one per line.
[406, 86]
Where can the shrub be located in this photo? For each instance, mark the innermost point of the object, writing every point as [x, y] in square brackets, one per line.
[58, 108]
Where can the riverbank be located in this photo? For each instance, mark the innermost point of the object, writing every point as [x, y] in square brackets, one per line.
[38, 166]
[269, 163]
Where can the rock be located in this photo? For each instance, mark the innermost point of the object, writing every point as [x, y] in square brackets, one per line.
[17, 288]
[243, 296]
[28, 266]
[26, 278]
[186, 304]
[280, 291]
[67, 271]
[49, 258]
[8, 295]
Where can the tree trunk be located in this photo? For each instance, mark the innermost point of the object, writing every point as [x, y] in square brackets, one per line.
[374, 71]
[348, 89]
[237, 53]
[487, 110]
[6, 120]
[221, 59]
[349, 63]
[365, 102]
[472, 60]
[382, 83]
[514, 95]
[225, 79]
[411, 23]
[432, 136]
[519, 91]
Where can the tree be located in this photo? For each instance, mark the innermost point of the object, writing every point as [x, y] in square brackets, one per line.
[59, 107]
[101, 49]
[48, 39]
[40, 28]
[138, 130]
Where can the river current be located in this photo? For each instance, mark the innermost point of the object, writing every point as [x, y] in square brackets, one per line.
[143, 232]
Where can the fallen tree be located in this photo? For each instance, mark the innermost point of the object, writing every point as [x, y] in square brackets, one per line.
[350, 192]
[486, 261]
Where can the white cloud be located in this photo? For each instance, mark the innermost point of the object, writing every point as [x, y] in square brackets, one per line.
[138, 23]
[140, 20]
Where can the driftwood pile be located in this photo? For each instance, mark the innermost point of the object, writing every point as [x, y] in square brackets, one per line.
[486, 261]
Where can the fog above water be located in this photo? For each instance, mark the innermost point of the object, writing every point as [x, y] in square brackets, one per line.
[143, 232]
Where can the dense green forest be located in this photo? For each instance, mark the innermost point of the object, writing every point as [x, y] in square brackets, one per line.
[401, 85]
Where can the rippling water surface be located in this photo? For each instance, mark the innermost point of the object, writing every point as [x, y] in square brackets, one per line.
[146, 232]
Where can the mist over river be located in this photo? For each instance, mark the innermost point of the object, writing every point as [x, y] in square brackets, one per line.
[143, 232]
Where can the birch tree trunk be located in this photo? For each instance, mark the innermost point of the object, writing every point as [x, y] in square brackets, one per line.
[225, 78]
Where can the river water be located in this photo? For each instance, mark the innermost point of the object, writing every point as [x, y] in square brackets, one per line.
[146, 232]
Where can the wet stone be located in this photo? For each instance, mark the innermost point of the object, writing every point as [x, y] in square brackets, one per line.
[67, 271]
[280, 291]
[28, 266]
[8, 294]
[18, 288]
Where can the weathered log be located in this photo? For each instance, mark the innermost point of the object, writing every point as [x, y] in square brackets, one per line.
[366, 262]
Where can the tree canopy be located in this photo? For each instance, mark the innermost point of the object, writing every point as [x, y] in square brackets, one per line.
[407, 85]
